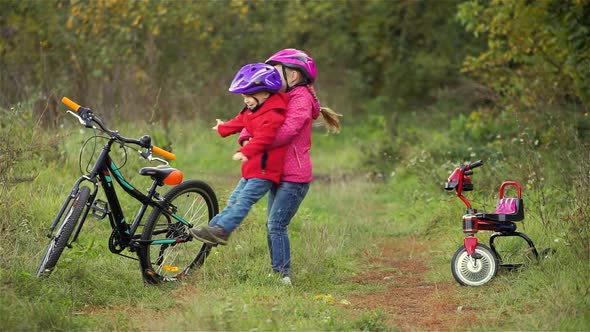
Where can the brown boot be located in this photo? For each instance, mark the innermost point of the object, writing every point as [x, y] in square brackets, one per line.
[211, 235]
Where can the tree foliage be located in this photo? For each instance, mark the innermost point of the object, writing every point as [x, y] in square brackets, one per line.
[538, 52]
[167, 54]
[176, 58]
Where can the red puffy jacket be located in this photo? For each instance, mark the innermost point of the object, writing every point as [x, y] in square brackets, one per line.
[302, 109]
[263, 162]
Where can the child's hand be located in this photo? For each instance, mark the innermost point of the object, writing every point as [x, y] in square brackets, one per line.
[240, 156]
[218, 123]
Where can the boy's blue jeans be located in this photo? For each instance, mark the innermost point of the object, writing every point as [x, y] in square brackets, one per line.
[283, 202]
[246, 194]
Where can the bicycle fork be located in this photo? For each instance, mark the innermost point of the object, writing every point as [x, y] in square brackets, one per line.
[73, 194]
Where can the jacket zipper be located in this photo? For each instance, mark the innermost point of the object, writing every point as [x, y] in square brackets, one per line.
[263, 161]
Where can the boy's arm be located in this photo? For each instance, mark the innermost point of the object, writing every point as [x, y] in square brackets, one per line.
[230, 127]
[264, 136]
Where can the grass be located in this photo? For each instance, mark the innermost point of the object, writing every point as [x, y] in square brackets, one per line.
[345, 214]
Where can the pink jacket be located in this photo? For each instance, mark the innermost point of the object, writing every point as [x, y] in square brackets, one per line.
[302, 109]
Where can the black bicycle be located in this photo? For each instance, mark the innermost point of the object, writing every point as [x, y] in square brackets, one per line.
[164, 247]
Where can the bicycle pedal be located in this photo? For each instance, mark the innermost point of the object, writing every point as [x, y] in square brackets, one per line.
[100, 209]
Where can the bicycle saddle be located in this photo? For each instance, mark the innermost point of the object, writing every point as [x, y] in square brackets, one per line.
[163, 174]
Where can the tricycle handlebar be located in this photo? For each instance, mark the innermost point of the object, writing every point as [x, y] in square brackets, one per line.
[475, 164]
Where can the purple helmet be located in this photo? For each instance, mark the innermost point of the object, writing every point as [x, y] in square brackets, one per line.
[256, 77]
[295, 59]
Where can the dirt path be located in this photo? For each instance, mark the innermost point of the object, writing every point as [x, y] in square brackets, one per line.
[410, 302]
[397, 273]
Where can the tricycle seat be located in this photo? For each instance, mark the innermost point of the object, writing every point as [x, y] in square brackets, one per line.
[508, 209]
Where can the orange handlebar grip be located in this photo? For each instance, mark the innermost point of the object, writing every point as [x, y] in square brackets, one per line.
[163, 153]
[71, 104]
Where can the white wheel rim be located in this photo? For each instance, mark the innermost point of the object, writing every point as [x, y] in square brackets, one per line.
[475, 272]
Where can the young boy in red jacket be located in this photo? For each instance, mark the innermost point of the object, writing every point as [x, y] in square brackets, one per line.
[262, 165]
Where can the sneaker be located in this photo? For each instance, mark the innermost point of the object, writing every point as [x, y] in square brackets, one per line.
[286, 281]
[211, 235]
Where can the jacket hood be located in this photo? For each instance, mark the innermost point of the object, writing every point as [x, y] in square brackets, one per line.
[276, 101]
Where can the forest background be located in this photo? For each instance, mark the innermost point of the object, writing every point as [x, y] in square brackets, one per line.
[422, 86]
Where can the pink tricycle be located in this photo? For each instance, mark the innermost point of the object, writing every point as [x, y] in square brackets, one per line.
[474, 264]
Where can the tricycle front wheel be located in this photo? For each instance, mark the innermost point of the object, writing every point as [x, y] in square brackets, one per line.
[474, 270]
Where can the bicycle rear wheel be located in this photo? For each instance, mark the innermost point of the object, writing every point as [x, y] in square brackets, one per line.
[65, 227]
[195, 202]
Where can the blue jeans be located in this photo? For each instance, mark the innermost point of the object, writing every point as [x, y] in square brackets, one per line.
[283, 202]
[246, 194]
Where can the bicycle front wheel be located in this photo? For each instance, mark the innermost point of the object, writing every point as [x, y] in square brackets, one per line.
[65, 227]
[193, 201]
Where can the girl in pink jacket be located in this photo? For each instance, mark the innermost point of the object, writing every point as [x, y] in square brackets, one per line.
[298, 72]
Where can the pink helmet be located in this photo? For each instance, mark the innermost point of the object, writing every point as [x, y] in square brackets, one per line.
[295, 59]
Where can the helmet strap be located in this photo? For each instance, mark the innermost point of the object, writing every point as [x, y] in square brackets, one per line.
[302, 83]
[257, 105]
[287, 87]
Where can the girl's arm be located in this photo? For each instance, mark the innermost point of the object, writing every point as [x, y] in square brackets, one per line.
[297, 116]
[244, 136]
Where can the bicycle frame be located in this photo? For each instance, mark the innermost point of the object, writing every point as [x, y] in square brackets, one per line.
[164, 235]
[102, 170]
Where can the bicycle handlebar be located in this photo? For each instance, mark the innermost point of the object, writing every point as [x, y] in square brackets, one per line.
[85, 116]
[71, 104]
[163, 153]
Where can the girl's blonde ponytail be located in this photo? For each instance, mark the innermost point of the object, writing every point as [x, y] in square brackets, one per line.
[330, 118]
